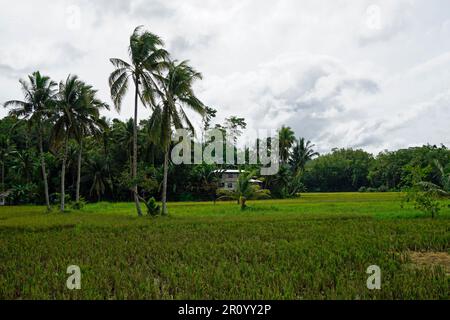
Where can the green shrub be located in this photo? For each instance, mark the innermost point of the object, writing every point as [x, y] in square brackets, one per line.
[153, 208]
[78, 205]
[24, 194]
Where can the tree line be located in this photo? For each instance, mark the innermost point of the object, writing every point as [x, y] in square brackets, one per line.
[56, 148]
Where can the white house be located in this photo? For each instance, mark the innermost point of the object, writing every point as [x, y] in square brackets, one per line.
[3, 196]
[230, 178]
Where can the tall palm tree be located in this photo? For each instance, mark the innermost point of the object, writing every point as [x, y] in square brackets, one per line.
[302, 152]
[39, 92]
[286, 138]
[147, 60]
[86, 121]
[70, 101]
[178, 94]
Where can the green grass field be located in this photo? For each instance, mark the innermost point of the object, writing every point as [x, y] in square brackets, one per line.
[315, 247]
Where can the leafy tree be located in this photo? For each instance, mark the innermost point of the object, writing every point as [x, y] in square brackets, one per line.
[210, 114]
[286, 138]
[233, 128]
[340, 171]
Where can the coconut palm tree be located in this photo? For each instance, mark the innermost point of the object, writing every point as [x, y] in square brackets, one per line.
[23, 164]
[443, 188]
[246, 190]
[302, 153]
[286, 138]
[39, 94]
[98, 171]
[87, 121]
[70, 100]
[147, 60]
[178, 94]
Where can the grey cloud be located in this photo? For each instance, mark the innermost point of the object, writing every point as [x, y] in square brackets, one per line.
[11, 72]
[180, 46]
[154, 8]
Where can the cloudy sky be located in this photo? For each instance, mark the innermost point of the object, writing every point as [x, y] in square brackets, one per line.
[364, 74]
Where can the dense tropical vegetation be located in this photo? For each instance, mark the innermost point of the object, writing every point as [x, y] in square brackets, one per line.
[55, 147]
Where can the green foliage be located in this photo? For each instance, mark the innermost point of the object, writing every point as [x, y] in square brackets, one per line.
[302, 153]
[424, 201]
[152, 208]
[78, 205]
[56, 198]
[24, 194]
[286, 138]
[425, 195]
[245, 190]
[341, 170]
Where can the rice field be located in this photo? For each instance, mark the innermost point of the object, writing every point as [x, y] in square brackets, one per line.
[318, 246]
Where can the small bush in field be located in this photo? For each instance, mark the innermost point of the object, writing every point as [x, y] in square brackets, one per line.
[153, 208]
[78, 205]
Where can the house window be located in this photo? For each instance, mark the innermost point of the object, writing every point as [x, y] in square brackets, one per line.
[230, 186]
[222, 185]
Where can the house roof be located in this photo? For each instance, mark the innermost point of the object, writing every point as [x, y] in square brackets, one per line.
[4, 194]
[228, 171]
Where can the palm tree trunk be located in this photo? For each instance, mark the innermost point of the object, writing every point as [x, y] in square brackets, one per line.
[77, 195]
[164, 189]
[3, 176]
[135, 187]
[63, 175]
[44, 171]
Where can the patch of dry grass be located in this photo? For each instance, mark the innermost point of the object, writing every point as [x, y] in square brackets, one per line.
[431, 259]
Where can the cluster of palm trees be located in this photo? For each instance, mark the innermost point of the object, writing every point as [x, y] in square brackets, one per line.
[295, 152]
[71, 109]
[165, 86]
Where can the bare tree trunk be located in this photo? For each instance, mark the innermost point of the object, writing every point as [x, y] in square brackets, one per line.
[135, 151]
[77, 195]
[44, 170]
[164, 190]
[63, 176]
